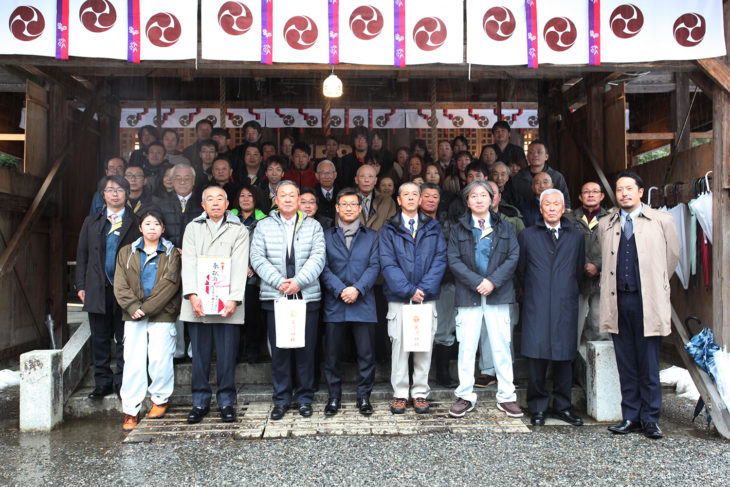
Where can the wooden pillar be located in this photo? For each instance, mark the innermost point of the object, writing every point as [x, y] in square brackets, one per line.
[680, 107]
[549, 112]
[721, 218]
[595, 89]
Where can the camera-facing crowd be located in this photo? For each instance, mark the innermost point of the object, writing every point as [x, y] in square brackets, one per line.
[375, 256]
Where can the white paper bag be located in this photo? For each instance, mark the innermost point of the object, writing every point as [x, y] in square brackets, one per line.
[290, 317]
[214, 283]
[417, 323]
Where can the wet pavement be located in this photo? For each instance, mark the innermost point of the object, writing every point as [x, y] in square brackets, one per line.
[91, 451]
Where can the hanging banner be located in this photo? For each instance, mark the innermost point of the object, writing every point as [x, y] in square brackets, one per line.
[643, 31]
[28, 27]
[98, 28]
[293, 117]
[470, 118]
[169, 29]
[434, 32]
[561, 31]
[300, 31]
[230, 30]
[496, 33]
[369, 118]
[366, 30]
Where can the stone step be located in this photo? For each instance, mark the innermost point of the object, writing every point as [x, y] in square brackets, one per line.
[79, 405]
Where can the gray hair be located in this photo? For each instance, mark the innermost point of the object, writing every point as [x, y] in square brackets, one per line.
[326, 161]
[202, 197]
[477, 183]
[409, 183]
[179, 166]
[499, 163]
[552, 191]
[286, 182]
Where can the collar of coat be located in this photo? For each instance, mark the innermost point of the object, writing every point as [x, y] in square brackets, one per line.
[397, 221]
[646, 212]
[230, 218]
[166, 245]
[565, 224]
[301, 216]
[467, 222]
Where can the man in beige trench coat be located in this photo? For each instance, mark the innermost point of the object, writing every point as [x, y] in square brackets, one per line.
[640, 250]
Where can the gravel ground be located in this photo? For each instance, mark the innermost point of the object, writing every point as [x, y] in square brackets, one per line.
[90, 452]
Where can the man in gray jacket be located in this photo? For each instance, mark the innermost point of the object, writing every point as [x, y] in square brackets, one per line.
[215, 233]
[288, 254]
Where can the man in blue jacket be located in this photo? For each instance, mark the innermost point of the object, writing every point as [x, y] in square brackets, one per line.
[350, 271]
[413, 261]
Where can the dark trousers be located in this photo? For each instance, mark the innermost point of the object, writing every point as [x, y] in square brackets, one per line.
[382, 341]
[281, 363]
[637, 358]
[203, 337]
[363, 335]
[254, 329]
[537, 395]
[104, 327]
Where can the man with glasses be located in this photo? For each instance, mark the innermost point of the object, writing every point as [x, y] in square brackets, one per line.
[101, 237]
[138, 194]
[114, 166]
[586, 218]
[326, 189]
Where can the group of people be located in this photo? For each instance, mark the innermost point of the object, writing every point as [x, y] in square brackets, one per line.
[365, 241]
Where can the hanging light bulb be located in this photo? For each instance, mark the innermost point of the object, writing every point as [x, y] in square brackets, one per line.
[332, 86]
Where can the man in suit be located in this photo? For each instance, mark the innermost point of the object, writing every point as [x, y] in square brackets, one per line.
[101, 237]
[376, 208]
[326, 189]
[635, 306]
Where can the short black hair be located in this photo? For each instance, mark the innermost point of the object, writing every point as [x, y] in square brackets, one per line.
[220, 131]
[501, 124]
[600, 186]
[268, 142]
[426, 186]
[478, 166]
[201, 122]
[208, 143]
[254, 124]
[302, 146]
[170, 131]
[255, 146]
[149, 128]
[632, 175]
[542, 142]
[275, 160]
[463, 153]
[308, 191]
[124, 162]
[461, 138]
[152, 211]
[115, 179]
[348, 192]
[223, 159]
[360, 131]
[158, 143]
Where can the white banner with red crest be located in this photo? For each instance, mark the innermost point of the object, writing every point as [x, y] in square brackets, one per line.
[230, 30]
[496, 32]
[168, 29]
[434, 31]
[294, 117]
[561, 31]
[28, 27]
[98, 28]
[300, 31]
[366, 30]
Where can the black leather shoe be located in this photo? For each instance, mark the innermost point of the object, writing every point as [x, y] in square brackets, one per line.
[278, 412]
[625, 427]
[568, 417]
[363, 404]
[651, 430]
[538, 419]
[305, 410]
[228, 414]
[196, 415]
[99, 392]
[333, 405]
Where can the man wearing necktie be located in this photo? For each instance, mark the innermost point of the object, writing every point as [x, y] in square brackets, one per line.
[101, 237]
[413, 261]
[552, 253]
[640, 251]
[326, 188]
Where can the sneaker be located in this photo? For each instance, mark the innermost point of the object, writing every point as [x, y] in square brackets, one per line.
[484, 380]
[398, 406]
[511, 409]
[420, 405]
[460, 408]
[130, 422]
[157, 411]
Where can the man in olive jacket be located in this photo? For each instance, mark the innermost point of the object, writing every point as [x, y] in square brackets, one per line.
[215, 233]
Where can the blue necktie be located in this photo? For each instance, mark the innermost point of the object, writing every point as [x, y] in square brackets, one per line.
[628, 228]
[411, 222]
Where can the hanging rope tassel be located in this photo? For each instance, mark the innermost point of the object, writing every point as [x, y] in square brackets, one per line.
[222, 100]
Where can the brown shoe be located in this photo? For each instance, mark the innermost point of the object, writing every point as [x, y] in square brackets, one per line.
[420, 405]
[398, 405]
[157, 411]
[460, 408]
[511, 409]
[130, 422]
[484, 380]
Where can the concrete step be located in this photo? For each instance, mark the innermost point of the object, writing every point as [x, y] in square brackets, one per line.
[79, 405]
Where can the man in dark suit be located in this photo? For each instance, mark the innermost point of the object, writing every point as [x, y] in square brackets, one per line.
[326, 189]
[552, 253]
[101, 237]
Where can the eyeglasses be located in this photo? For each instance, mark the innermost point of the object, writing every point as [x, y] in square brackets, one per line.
[114, 190]
[591, 191]
[348, 205]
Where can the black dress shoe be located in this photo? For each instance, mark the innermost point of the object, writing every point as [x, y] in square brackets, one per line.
[305, 410]
[364, 406]
[333, 405]
[228, 414]
[278, 412]
[538, 419]
[99, 392]
[625, 427]
[196, 415]
[651, 430]
[568, 417]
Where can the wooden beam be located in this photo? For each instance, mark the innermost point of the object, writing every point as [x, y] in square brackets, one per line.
[18, 137]
[704, 82]
[10, 254]
[680, 111]
[721, 218]
[665, 135]
[717, 70]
